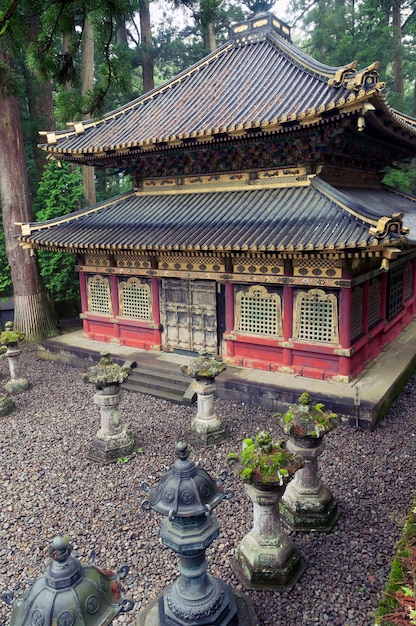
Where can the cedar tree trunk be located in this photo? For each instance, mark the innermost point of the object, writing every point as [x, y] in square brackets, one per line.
[32, 311]
[146, 46]
[88, 175]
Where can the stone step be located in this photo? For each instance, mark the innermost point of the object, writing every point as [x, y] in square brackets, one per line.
[162, 382]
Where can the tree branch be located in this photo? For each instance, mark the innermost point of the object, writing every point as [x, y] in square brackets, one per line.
[5, 18]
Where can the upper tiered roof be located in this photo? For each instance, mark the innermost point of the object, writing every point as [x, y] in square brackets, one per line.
[257, 82]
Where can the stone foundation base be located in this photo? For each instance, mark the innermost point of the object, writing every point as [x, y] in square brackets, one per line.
[267, 564]
[245, 613]
[208, 432]
[321, 518]
[111, 448]
[16, 385]
[280, 579]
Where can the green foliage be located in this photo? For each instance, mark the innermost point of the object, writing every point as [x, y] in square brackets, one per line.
[6, 286]
[9, 336]
[265, 462]
[402, 177]
[307, 420]
[125, 459]
[398, 603]
[59, 193]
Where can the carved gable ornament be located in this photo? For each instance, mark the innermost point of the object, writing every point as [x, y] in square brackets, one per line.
[387, 226]
[366, 79]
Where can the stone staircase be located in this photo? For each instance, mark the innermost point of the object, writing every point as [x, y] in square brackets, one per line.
[163, 380]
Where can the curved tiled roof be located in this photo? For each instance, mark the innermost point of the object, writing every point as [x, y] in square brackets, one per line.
[313, 217]
[263, 82]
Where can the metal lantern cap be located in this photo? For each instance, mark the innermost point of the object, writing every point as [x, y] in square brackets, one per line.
[186, 490]
[70, 593]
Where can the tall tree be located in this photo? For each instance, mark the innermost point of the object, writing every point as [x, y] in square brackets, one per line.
[87, 80]
[32, 312]
[146, 46]
[51, 60]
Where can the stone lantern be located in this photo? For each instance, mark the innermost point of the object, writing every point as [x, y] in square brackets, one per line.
[206, 425]
[186, 497]
[113, 440]
[70, 593]
[266, 557]
[307, 504]
[9, 339]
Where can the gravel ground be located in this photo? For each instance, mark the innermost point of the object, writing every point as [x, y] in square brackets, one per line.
[49, 486]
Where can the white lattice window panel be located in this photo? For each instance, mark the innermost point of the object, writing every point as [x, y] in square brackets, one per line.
[258, 312]
[99, 295]
[135, 299]
[316, 317]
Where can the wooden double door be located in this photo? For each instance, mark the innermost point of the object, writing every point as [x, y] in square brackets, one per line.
[189, 315]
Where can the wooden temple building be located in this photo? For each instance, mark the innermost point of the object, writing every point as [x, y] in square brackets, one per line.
[257, 227]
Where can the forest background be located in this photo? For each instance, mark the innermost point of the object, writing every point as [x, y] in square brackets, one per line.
[62, 61]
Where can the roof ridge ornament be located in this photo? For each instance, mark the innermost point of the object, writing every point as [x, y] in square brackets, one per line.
[259, 25]
[259, 7]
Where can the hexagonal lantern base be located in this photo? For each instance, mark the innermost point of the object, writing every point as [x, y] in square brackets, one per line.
[241, 615]
[314, 512]
[276, 567]
[109, 449]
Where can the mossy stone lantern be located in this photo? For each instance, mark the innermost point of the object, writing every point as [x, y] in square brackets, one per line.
[70, 593]
[206, 424]
[186, 497]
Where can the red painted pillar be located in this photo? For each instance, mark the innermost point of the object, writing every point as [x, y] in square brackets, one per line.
[83, 291]
[345, 302]
[287, 322]
[84, 300]
[157, 333]
[229, 317]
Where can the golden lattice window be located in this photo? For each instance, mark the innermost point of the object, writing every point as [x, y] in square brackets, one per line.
[135, 299]
[99, 295]
[258, 312]
[316, 316]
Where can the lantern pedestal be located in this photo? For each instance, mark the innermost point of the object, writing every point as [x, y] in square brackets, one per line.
[266, 557]
[307, 505]
[206, 425]
[245, 615]
[114, 440]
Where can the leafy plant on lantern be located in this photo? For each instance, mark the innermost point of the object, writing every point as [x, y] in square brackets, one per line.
[10, 336]
[307, 420]
[264, 462]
